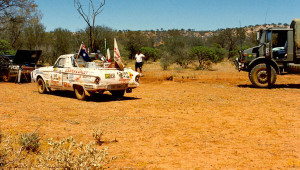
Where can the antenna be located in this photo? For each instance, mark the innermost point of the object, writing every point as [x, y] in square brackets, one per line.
[241, 36]
[266, 15]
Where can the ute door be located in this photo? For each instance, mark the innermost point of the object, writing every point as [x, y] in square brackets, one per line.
[56, 75]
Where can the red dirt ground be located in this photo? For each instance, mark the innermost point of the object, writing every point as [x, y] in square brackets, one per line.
[200, 119]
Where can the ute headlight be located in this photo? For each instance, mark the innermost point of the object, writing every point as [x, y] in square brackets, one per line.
[97, 80]
[137, 78]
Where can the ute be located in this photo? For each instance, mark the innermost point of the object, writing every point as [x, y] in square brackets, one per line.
[85, 78]
[279, 47]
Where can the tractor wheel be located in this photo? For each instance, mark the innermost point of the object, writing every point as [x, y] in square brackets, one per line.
[79, 92]
[41, 86]
[259, 76]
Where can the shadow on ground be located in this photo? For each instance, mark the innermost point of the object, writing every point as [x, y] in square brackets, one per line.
[276, 86]
[93, 98]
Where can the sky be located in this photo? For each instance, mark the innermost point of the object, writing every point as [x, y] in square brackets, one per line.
[200, 15]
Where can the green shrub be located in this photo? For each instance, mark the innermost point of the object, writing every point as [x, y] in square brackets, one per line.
[5, 48]
[165, 60]
[150, 53]
[205, 56]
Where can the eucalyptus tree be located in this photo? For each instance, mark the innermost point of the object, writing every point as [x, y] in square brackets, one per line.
[89, 16]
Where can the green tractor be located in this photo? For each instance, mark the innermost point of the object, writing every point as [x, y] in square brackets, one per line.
[278, 49]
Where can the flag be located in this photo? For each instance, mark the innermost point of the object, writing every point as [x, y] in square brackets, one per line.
[108, 55]
[117, 56]
[84, 53]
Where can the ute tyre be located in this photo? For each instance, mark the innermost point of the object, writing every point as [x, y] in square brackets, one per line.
[118, 93]
[41, 86]
[259, 77]
[79, 93]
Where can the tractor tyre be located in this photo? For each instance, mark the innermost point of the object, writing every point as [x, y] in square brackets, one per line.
[259, 76]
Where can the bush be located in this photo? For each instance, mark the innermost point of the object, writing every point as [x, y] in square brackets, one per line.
[205, 56]
[179, 51]
[67, 154]
[6, 48]
[150, 53]
[62, 154]
[220, 52]
[182, 58]
[97, 134]
[30, 141]
[165, 60]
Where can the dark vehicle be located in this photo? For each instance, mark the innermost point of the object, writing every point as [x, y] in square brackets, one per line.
[281, 45]
[24, 60]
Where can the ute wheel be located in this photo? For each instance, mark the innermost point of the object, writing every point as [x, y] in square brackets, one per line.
[259, 77]
[117, 93]
[41, 86]
[5, 76]
[79, 92]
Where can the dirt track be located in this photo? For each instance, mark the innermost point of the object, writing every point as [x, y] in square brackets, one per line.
[209, 119]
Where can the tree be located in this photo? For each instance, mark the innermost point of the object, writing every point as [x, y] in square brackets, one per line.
[178, 49]
[165, 60]
[14, 14]
[34, 34]
[5, 48]
[220, 52]
[90, 18]
[286, 24]
[8, 8]
[205, 56]
[150, 53]
[61, 43]
[102, 33]
[229, 39]
[133, 41]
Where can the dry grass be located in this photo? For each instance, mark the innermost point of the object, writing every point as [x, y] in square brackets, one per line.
[63, 154]
[211, 120]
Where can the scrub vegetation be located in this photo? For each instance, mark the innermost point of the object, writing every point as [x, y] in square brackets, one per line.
[29, 152]
[23, 29]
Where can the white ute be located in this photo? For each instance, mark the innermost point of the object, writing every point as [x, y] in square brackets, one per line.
[84, 81]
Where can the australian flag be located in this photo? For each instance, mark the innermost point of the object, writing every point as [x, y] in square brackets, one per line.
[84, 53]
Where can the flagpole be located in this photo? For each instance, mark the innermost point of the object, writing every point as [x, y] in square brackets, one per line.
[105, 47]
[79, 51]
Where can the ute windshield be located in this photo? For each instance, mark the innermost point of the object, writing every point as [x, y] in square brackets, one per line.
[95, 63]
